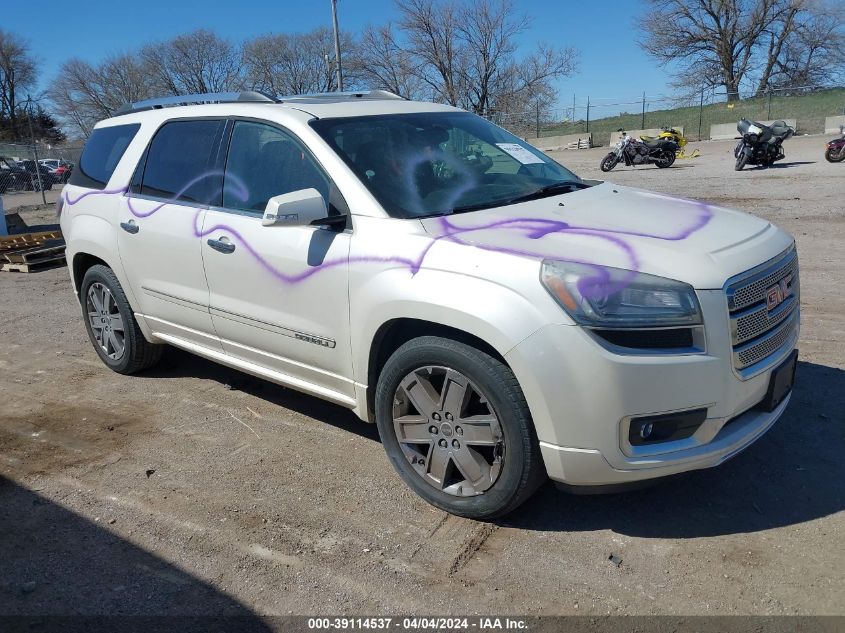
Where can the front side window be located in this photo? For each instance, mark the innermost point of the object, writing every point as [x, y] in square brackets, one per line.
[101, 153]
[437, 163]
[181, 161]
[264, 162]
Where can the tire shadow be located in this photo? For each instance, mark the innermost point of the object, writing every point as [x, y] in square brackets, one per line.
[176, 363]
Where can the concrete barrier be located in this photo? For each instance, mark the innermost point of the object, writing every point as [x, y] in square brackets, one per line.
[653, 131]
[557, 143]
[832, 123]
[727, 131]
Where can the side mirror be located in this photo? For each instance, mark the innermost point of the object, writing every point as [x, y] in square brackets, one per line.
[297, 208]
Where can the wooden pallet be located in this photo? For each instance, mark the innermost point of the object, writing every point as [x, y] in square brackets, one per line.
[27, 240]
[33, 267]
[28, 260]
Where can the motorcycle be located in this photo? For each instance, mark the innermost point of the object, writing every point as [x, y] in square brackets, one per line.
[673, 134]
[836, 148]
[760, 144]
[660, 152]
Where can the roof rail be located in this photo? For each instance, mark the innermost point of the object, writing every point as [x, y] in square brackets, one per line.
[374, 95]
[211, 97]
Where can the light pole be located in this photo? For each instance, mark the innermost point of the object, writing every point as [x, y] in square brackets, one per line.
[337, 47]
[35, 149]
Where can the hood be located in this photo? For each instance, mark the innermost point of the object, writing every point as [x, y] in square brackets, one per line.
[612, 225]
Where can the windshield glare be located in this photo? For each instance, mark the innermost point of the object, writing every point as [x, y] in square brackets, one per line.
[436, 163]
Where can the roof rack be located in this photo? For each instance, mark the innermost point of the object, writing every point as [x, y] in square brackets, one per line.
[211, 97]
[252, 97]
[369, 95]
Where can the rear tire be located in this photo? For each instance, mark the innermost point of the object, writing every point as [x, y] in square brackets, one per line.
[834, 156]
[667, 161]
[111, 325]
[609, 162]
[456, 427]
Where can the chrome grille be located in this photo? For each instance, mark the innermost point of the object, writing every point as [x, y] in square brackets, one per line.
[757, 333]
[751, 323]
[750, 291]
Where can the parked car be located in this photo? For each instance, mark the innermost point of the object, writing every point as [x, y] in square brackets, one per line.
[46, 180]
[12, 176]
[63, 172]
[59, 169]
[499, 320]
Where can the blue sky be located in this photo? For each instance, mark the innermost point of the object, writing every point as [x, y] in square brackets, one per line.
[612, 65]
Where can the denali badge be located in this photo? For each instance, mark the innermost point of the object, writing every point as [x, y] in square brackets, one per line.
[778, 293]
[324, 342]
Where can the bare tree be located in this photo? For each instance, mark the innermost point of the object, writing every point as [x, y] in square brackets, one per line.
[467, 54]
[297, 63]
[18, 73]
[431, 29]
[85, 94]
[716, 40]
[765, 43]
[813, 54]
[198, 62]
[383, 63]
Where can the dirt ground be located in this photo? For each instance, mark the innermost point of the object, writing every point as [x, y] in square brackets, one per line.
[193, 489]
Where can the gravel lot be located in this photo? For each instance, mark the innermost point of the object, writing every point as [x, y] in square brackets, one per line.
[194, 489]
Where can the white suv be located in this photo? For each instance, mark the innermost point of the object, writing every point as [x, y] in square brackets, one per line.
[497, 317]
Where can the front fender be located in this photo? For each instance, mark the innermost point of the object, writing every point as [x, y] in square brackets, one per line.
[490, 311]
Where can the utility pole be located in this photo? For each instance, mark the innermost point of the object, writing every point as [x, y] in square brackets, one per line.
[642, 126]
[337, 47]
[35, 149]
[538, 118]
[700, 112]
[588, 114]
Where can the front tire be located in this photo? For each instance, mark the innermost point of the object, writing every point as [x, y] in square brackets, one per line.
[835, 156]
[741, 161]
[609, 162]
[111, 324]
[456, 427]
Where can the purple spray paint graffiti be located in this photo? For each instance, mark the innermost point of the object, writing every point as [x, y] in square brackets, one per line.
[534, 229]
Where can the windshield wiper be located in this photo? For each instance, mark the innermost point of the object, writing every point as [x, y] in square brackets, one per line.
[550, 190]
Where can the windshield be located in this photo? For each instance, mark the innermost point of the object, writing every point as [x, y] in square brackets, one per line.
[437, 163]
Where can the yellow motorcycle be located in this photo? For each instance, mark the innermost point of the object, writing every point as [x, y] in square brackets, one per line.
[673, 134]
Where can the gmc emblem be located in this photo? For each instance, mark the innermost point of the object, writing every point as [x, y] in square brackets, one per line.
[778, 293]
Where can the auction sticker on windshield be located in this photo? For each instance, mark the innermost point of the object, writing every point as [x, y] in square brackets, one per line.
[519, 153]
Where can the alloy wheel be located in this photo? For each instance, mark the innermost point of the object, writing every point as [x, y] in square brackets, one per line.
[448, 431]
[105, 321]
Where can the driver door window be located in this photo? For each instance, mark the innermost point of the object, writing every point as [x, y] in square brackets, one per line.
[265, 162]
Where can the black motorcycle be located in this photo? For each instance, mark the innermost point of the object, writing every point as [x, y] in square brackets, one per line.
[660, 152]
[760, 144]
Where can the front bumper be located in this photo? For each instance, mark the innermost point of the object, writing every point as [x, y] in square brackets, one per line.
[582, 397]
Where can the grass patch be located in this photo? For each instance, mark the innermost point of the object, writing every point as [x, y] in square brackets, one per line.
[810, 111]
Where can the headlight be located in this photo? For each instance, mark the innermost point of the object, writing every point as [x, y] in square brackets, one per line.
[600, 296]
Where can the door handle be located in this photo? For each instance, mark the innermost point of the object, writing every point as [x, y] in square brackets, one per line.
[130, 227]
[221, 246]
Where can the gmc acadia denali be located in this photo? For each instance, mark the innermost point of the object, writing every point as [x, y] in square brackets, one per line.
[500, 319]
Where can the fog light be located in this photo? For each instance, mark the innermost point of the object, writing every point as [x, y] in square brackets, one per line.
[665, 428]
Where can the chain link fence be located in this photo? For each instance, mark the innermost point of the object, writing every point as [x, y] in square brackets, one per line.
[33, 174]
[810, 106]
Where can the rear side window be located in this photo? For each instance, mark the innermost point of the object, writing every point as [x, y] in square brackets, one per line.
[101, 155]
[181, 161]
